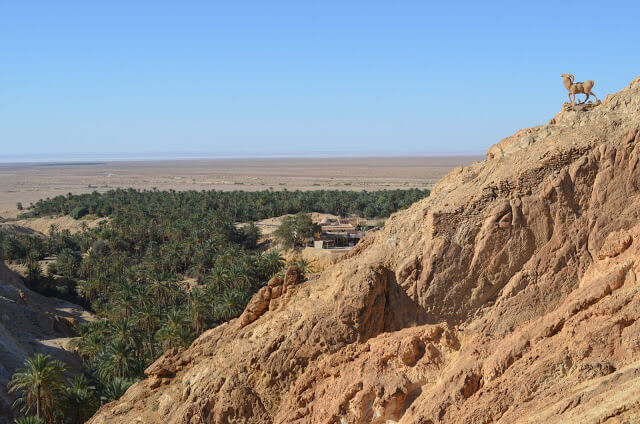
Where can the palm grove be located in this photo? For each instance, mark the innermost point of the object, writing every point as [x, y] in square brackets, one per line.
[133, 273]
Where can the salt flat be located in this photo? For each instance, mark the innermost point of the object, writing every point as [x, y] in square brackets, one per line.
[29, 182]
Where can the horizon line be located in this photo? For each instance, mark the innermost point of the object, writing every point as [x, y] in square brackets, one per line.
[188, 156]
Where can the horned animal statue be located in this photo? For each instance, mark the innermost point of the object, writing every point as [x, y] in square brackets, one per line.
[578, 88]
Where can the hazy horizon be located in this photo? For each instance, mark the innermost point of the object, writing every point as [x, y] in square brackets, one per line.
[194, 156]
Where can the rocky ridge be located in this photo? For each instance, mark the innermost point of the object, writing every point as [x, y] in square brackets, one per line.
[510, 295]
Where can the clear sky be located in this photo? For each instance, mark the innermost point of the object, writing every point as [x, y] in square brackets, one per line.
[297, 77]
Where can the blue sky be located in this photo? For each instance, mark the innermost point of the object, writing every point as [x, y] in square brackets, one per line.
[299, 77]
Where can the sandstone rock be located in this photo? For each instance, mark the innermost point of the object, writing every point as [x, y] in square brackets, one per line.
[615, 243]
[411, 349]
[154, 382]
[260, 302]
[165, 403]
[486, 302]
[275, 281]
[291, 277]
[276, 292]
[257, 306]
[167, 365]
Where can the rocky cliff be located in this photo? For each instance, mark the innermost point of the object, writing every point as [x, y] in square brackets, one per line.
[31, 323]
[510, 295]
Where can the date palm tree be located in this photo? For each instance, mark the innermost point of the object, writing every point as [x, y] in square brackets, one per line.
[220, 277]
[162, 290]
[270, 263]
[114, 389]
[33, 271]
[79, 400]
[124, 330]
[175, 332]
[230, 304]
[89, 289]
[88, 345]
[125, 296]
[197, 311]
[37, 384]
[304, 266]
[31, 419]
[147, 321]
[116, 360]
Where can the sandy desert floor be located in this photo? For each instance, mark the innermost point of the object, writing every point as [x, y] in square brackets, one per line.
[28, 183]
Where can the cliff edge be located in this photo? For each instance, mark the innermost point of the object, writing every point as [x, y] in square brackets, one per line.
[510, 295]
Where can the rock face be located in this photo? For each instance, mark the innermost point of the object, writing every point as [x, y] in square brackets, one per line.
[31, 323]
[266, 297]
[510, 295]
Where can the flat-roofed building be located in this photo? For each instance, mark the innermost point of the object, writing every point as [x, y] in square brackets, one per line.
[338, 233]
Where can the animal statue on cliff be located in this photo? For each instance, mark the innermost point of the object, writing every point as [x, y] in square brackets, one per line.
[578, 88]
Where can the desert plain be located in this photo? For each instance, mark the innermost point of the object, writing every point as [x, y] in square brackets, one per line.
[29, 182]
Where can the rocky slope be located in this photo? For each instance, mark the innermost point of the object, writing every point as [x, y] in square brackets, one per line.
[510, 295]
[31, 323]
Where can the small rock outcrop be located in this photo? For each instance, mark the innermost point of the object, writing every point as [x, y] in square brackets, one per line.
[510, 295]
[261, 301]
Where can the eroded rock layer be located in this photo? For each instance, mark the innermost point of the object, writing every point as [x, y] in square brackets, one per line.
[510, 295]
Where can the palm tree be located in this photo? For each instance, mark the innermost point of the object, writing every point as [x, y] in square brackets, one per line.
[88, 345]
[124, 330]
[114, 389]
[271, 262]
[175, 332]
[304, 266]
[162, 290]
[125, 297]
[147, 321]
[34, 271]
[116, 360]
[38, 383]
[79, 399]
[31, 419]
[220, 277]
[197, 310]
[89, 288]
[230, 304]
